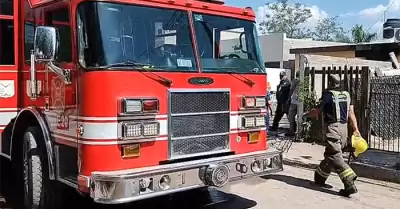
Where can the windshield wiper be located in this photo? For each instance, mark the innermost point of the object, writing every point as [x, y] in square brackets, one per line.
[141, 66]
[247, 80]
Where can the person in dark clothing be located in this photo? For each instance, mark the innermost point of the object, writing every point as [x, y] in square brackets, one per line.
[282, 97]
[336, 107]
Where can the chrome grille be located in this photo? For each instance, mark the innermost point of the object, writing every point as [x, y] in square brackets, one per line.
[199, 102]
[194, 146]
[198, 122]
[193, 125]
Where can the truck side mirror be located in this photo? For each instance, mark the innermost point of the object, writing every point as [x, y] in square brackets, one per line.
[45, 50]
[46, 43]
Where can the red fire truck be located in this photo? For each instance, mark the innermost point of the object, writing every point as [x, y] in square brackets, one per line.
[130, 99]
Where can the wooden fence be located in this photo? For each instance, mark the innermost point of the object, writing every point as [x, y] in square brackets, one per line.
[354, 80]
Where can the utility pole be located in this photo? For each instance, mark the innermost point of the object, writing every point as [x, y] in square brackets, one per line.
[384, 16]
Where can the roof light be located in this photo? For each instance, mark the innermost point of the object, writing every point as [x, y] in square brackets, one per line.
[214, 1]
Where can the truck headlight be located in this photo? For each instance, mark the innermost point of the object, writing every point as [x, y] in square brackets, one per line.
[131, 130]
[260, 121]
[136, 130]
[261, 102]
[254, 102]
[132, 106]
[151, 129]
[253, 121]
[248, 122]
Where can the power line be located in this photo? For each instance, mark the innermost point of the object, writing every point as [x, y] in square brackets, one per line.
[379, 18]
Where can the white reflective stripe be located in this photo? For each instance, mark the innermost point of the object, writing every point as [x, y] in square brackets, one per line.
[109, 130]
[5, 117]
[348, 100]
[111, 142]
[336, 101]
[8, 109]
[234, 122]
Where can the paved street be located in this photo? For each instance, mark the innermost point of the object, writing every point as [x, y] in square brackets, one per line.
[290, 189]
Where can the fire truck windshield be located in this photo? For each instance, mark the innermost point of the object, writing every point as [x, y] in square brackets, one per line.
[227, 44]
[111, 33]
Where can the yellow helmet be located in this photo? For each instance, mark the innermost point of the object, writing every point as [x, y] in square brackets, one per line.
[359, 144]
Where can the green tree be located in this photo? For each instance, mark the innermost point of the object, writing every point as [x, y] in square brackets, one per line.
[330, 29]
[359, 35]
[286, 18]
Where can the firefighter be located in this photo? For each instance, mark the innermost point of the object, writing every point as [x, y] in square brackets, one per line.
[294, 101]
[282, 97]
[337, 110]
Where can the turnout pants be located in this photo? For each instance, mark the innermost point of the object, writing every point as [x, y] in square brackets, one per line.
[336, 139]
[281, 109]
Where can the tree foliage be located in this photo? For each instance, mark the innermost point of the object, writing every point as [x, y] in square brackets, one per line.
[359, 35]
[286, 18]
[330, 29]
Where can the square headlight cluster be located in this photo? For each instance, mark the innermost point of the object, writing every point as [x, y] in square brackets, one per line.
[139, 130]
[253, 121]
[254, 102]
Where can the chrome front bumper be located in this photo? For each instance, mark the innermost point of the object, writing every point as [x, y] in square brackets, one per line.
[130, 185]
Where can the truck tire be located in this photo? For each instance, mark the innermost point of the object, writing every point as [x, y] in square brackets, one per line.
[39, 191]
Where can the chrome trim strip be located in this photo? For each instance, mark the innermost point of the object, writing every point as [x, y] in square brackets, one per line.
[199, 113]
[194, 90]
[145, 196]
[248, 130]
[198, 136]
[68, 183]
[115, 175]
[169, 123]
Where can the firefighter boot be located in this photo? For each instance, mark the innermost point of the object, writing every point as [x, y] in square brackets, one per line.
[348, 182]
[320, 180]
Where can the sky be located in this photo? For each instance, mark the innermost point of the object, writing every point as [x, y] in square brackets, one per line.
[369, 13]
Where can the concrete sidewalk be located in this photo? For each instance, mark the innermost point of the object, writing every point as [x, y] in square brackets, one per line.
[304, 155]
[371, 164]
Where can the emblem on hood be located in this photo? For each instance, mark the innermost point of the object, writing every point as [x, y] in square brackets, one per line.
[200, 81]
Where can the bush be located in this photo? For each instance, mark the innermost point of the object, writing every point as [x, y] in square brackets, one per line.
[309, 127]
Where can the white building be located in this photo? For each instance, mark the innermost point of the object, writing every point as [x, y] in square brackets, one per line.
[276, 49]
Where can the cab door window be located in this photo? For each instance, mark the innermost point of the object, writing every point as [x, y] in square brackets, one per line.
[59, 18]
[7, 47]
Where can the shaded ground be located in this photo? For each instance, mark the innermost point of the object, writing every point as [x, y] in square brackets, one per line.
[290, 189]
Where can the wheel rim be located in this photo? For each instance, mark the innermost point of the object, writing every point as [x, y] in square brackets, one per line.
[27, 163]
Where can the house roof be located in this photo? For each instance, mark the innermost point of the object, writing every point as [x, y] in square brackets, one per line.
[346, 47]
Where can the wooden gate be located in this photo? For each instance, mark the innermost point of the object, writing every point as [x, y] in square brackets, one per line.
[354, 80]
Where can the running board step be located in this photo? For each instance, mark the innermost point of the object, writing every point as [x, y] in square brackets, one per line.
[71, 181]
